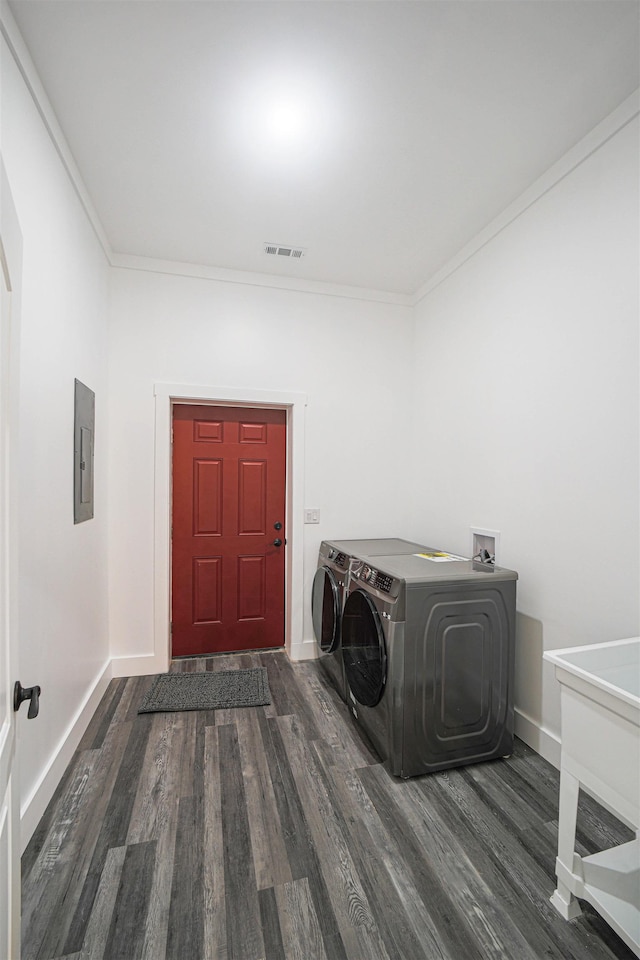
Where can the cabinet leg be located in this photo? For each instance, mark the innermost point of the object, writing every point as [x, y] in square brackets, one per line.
[565, 903]
[563, 900]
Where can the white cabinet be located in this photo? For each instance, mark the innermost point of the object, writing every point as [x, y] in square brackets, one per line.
[600, 702]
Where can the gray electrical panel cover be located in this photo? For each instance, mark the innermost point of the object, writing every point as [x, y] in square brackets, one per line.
[83, 442]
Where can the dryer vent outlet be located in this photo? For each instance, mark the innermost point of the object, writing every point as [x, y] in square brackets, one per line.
[485, 545]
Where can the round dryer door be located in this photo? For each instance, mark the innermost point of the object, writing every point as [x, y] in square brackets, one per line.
[325, 609]
[363, 649]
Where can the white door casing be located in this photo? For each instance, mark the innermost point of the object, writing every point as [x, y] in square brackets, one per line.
[10, 273]
[165, 395]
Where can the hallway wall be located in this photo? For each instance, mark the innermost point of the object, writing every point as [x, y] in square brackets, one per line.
[62, 615]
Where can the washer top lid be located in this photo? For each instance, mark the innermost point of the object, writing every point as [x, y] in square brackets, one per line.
[385, 546]
[438, 565]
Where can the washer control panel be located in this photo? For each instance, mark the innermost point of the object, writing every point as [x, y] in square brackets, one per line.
[379, 581]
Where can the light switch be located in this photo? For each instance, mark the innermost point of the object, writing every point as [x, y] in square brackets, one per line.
[312, 515]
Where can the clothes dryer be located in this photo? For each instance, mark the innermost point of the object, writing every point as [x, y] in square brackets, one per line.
[428, 650]
[327, 601]
[328, 594]
[378, 547]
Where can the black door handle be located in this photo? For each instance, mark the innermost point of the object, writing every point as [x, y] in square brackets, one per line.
[32, 694]
[277, 543]
[277, 526]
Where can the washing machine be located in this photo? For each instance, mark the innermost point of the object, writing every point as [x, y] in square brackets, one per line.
[428, 657]
[328, 594]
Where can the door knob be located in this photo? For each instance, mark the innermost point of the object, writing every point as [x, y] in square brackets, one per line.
[277, 526]
[32, 694]
[277, 543]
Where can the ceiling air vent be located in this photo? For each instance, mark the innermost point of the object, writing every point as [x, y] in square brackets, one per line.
[280, 250]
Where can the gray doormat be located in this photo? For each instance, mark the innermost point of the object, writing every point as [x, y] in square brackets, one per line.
[207, 691]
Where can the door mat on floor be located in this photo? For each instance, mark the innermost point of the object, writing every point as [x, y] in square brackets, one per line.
[207, 691]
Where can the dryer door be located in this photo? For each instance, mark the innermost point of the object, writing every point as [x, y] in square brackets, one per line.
[363, 649]
[325, 610]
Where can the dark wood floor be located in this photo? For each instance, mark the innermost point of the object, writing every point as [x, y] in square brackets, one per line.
[274, 832]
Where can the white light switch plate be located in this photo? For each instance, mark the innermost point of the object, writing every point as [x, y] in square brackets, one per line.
[312, 515]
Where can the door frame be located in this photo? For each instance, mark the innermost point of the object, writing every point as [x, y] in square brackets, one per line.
[166, 396]
[11, 260]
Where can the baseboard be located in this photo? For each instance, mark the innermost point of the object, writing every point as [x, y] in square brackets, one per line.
[543, 741]
[306, 650]
[150, 663]
[36, 803]
[139, 666]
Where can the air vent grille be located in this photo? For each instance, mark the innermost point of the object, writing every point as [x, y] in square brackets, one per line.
[281, 250]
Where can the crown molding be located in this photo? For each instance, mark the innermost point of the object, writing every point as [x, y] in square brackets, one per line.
[585, 148]
[22, 58]
[220, 274]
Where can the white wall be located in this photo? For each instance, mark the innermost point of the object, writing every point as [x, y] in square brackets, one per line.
[526, 416]
[62, 609]
[349, 357]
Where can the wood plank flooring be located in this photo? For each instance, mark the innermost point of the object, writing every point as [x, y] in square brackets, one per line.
[273, 833]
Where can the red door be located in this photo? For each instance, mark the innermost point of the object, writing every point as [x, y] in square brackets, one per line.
[228, 529]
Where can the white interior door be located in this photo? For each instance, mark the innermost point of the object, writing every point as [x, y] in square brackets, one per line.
[9, 818]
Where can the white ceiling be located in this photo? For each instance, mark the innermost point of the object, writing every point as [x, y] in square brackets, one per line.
[422, 120]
